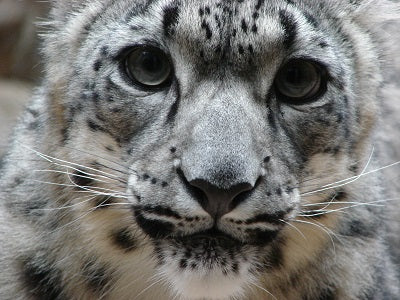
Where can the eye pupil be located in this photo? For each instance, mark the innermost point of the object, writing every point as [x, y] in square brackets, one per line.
[299, 81]
[148, 67]
[150, 63]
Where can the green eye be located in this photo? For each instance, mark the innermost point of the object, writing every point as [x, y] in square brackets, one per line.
[300, 81]
[148, 67]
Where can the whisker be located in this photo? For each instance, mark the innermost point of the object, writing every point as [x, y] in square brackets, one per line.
[85, 188]
[294, 227]
[53, 159]
[98, 156]
[75, 175]
[323, 228]
[348, 180]
[263, 289]
[373, 203]
[148, 287]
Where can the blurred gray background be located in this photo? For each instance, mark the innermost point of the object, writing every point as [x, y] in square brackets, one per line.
[20, 68]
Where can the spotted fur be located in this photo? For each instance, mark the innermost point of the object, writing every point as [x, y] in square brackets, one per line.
[211, 187]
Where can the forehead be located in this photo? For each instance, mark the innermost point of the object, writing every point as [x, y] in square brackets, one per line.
[220, 28]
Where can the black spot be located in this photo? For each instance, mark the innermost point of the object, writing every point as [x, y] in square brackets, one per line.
[311, 19]
[260, 237]
[235, 268]
[104, 51]
[42, 279]
[271, 119]
[251, 49]
[95, 97]
[34, 208]
[82, 179]
[241, 49]
[325, 294]
[255, 15]
[207, 9]
[193, 266]
[360, 228]
[353, 168]
[323, 44]
[161, 211]
[124, 239]
[164, 184]
[154, 180]
[183, 263]
[289, 26]
[275, 256]
[33, 125]
[17, 181]
[279, 191]
[259, 4]
[201, 12]
[289, 189]
[340, 195]
[272, 218]
[175, 106]
[207, 28]
[172, 149]
[97, 65]
[244, 26]
[267, 159]
[154, 228]
[96, 275]
[254, 28]
[94, 126]
[171, 17]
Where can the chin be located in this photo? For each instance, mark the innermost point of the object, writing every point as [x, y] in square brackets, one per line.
[206, 284]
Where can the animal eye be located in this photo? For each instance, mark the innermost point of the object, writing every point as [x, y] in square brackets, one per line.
[300, 81]
[148, 67]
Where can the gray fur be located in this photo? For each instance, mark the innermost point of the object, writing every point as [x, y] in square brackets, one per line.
[100, 188]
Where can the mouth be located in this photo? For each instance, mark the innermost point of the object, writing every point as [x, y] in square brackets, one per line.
[211, 238]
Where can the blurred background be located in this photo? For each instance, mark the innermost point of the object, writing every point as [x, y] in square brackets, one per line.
[20, 68]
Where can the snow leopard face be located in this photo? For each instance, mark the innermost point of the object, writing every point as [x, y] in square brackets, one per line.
[219, 121]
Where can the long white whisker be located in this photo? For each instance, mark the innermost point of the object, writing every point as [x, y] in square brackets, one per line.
[86, 189]
[323, 228]
[350, 206]
[294, 227]
[348, 180]
[263, 289]
[69, 164]
[75, 175]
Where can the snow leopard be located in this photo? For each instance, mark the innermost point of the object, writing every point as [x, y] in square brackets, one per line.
[204, 150]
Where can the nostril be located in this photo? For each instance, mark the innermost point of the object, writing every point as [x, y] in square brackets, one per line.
[219, 202]
[213, 199]
[195, 192]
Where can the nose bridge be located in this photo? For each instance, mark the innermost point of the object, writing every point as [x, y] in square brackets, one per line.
[220, 149]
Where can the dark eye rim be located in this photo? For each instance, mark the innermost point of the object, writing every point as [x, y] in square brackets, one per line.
[324, 79]
[124, 58]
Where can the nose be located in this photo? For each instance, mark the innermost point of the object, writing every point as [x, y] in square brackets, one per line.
[216, 201]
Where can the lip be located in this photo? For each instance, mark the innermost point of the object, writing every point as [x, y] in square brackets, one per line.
[211, 237]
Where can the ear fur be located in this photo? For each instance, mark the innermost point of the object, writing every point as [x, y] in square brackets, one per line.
[61, 9]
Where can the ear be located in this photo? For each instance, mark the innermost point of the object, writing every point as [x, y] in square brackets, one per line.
[62, 9]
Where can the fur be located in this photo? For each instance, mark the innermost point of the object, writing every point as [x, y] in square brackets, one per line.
[212, 186]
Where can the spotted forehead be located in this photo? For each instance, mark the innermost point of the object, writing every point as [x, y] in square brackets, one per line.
[236, 27]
